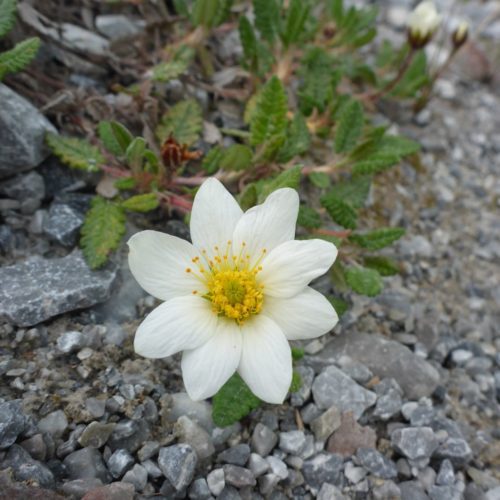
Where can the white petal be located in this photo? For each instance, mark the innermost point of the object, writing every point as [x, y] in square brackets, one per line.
[214, 216]
[293, 264]
[266, 226]
[266, 360]
[207, 368]
[159, 261]
[307, 315]
[178, 324]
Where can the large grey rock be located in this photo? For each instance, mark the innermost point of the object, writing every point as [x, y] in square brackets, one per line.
[415, 443]
[23, 133]
[84, 463]
[456, 450]
[13, 422]
[323, 468]
[263, 439]
[38, 289]
[178, 463]
[120, 462]
[129, 435]
[193, 434]
[54, 423]
[333, 388]
[385, 358]
[23, 187]
[376, 463]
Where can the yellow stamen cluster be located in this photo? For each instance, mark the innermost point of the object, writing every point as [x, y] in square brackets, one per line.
[230, 283]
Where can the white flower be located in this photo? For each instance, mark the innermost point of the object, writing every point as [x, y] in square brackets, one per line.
[423, 22]
[236, 295]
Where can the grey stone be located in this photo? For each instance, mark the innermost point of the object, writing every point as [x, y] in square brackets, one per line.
[446, 474]
[445, 493]
[299, 397]
[152, 469]
[26, 468]
[333, 388]
[426, 476]
[422, 416]
[138, 476]
[229, 493]
[386, 490]
[24, 187]
[456, 450]
[263, 440]
[257, 465]
[386, 359]
[216, 481]
[116, 26]
[23, 133]
[13, 422]
[198, 411]
[326, 424]
[79, 487]
[199, 490]
[354, 474]
[178, 463]
[415, 443]
[389, 401]
[70, 342]
[96, 407]
[193, 434]
[412, 490]
[330, 492]
[350, 436]
[378, 464]
[148, 450]
[84, 463]
[113, 491]
[38, 289]
[238, 476]
[236, 455]
[129, 435]
[267, 483]
[120, 462]
[323, 468]
[493, 493]
[36, 447]
[277, 467]
[292, 442]
[54, 423]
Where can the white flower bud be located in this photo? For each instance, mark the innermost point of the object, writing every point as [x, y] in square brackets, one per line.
[459, 36]
[422, 23]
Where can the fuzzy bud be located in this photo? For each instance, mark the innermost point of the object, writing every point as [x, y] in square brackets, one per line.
[422, 24]
[460, 35]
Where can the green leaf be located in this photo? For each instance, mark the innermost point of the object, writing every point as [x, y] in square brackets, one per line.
[115, 137]
[179, 64]
[184, 121]
[249, 197]
[320, 179]
[236, 157]
[338, 277]
[349, 127]
[308, 217]
[296, 18]
[204, 12]
[267, 18]
[383, 265]
[211, 162]
[414, 78]
[340, 211]
[141, 202]
[125, 183]
[135, 153]
[233, 402]
[296, 382]
[269, 117]
[397, 145]
[337, 10]
[76, 153]
[248, 42]
[297, 353]
[288, 178]
[297, 139]
[364, 281]
[340, 305]
[354, 191]
[377, 239]
[377, 163]
[7, 15]
[102, 231]
[19, 57]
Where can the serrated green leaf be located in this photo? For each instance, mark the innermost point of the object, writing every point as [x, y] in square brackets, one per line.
[125, 183]
[135, 154]
[269, 116]
[248, 42]
[141, 202]
[337, 275]
[385, 266]
[211, 162]
[179, 64]
[320, 179]
[233, 402]
[336, 8]
[297, 139]
[288, 178]
[414, 78]
[340, 305]
[397, 145]
[340, 211]
[377, 239]
[76, 153]
[204, 12]
[349, 127]
[184, 121]
[375, 164]
[236, 157]
[249, 197]
[270, 148]
[297, 353]
[19, 57]
[102, 231]
[267, 18]
[296, 18]
[115, 137]
[364, 281]
[308, 217]
[296, 382]
[7, 15]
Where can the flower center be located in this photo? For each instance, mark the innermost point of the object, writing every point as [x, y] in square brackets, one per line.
[230, 283]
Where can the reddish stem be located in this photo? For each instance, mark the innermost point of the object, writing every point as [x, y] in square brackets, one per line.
[336, 234]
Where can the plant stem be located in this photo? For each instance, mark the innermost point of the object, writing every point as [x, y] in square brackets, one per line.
[336, 234]
[234, 132]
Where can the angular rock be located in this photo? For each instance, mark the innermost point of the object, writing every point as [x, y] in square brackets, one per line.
[24, 187]
[350, 436]
[385, 358]
[326, 424]
[236, 455]
[193, 434]
[138, 476]
[306, 377]
[333, 388]
[54, 423]
[263, 439]
[38, 289]
[148, 449]
[216, 482]
[412, 490]
[292, 442]
[415, 443]
[114, 26]
[376, 463]
[96, 434]
[178, 463]
[446, 474]
[129, 435]
[445, 493]
[13, 422]
[198, 411]
[36, 447]
[323, 468]
[199, 490]
[113, 491]
[84, 463]
[330, 492]
[238, 477]
[120, 462]
[456, 450]
[257, 465]
[277, 467]
[79, 487]
[23, 133]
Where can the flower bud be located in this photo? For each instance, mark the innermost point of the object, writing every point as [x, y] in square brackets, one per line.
[459, 36]
[422, 24]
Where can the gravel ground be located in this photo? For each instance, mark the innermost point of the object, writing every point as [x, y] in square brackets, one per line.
[400, 401]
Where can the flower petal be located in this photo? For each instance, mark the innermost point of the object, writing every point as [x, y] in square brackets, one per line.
[266, 359]
[159, 261]
[293, 264]
[208, 367]
[178, 324]
[266, 226]
[307, 315]
[214, 216]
